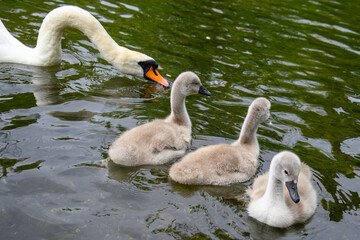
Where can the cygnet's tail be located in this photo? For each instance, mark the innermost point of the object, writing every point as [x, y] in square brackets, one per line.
[185, 174]
[126, 154]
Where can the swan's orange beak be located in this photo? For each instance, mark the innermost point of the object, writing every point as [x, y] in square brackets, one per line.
[154, 75]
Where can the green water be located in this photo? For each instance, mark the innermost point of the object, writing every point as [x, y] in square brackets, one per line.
[57, 123]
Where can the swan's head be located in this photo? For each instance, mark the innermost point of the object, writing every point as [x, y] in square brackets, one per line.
[150, 72]
[260, 109]
[285, 167]
[139, 65]
[188, 83]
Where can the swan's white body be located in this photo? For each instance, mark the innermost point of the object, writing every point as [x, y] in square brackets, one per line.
[48, 48]
[159, 141]
[225, 163]
[270, 200]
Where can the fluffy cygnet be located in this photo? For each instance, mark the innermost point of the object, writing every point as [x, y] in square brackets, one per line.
[159, 141]
[284, 195]
[225, 163]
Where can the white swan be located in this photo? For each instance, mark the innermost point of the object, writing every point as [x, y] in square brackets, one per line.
[272, 204]
[48, 48]
[225, 163]
[159, 141]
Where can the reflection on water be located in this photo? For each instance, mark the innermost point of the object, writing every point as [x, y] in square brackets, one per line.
[46, 86]
[56, 124]
[137, 175]
[82, 115]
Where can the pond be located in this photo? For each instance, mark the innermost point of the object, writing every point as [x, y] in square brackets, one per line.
[57, 123]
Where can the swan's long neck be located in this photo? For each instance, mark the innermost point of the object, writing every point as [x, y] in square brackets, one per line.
[179, 113]
[48, 46]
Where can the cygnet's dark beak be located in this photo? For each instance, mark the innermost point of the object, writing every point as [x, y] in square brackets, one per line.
[292, 188]
[204, 91]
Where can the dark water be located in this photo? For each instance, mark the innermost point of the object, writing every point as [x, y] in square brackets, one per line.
[57, 123]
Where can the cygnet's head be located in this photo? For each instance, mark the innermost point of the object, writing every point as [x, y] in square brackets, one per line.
[188, 83]
[285, 166]
[260, 109]
[139, 65]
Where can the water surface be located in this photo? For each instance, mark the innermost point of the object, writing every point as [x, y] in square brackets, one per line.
[57, 123]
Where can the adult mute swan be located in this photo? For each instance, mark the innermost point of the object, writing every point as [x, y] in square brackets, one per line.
[159, 141]
[48, 48]
[284, 195]
[225, 163]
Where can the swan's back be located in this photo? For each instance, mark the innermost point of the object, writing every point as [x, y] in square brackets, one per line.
[48, 47]
[6, 38]
[11, 49]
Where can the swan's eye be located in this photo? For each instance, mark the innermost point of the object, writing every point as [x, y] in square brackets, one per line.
[286, 172]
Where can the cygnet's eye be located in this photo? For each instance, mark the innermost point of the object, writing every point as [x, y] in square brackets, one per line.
[196, 83]
[286, 172]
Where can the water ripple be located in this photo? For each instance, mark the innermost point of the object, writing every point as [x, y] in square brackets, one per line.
[325, 25]
[334, 42]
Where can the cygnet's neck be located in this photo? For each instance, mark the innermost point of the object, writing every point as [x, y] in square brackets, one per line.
[275, 190]
[249, 128]
[179, 114]
[48, 46]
